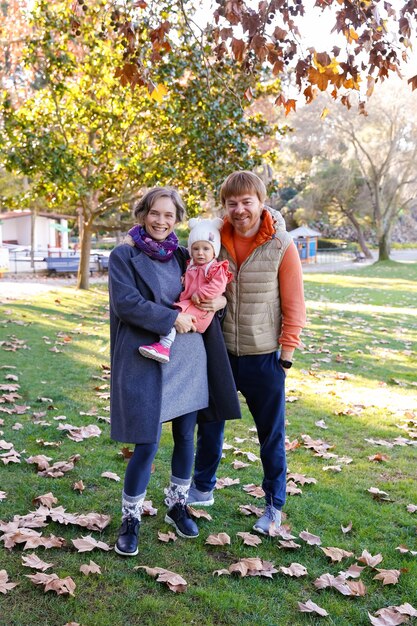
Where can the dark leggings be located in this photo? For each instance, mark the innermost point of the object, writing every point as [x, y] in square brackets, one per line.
[138, 471]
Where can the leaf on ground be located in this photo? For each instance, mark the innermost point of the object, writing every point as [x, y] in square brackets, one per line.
[254, 490]
[226, 482]
[301, 478]
[387, 617]
[167, 537]
[51, 582]
[221, 572]
[347, 529]
[91, 568]
[336, 582]
[357, 587]
[175, 582]
[388, 576]
[295, 569]
[3, 495]
[289, 545]
[403, 549]
[411, 508]
[78, 486]
[32, 560]
[148, 508]
[406, 609]
[126, 453]
[377, 494]
[250, 509]
[336, 554]
[378, 457]
[40, 460]
[332, 468]
[239, 465]
[321, 424]
[88, 543]
[354, 571]
[249, 539]
[110, 475]
[5, 586]
[311, 607]
[370, 560]
[291, 445]
[197, 513]
[312, 540]
[221, 539]
[248, 566]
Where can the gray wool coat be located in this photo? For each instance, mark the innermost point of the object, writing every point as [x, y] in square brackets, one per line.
[137, 317]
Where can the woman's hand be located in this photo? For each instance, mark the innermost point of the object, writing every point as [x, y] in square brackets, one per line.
[185, 323]
[213, 305]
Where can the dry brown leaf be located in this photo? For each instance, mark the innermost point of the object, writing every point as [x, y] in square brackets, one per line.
[354, 571]
[249, 539]
[226, 482]
[110, 475]
[336, 582]
[167, 537]
[295, 569]
[250, 509]
[290, 545]
[346, 529]
[239, 465]
[88, 543]
[51, 582]
[370, 560]
[311, 607]
[221, 572]
[377, 494]
[5, 586]
[40, 460]
[332, 468]
[254, 490]
[292, 489]
[3, 495]
[78, 486]
[312, 540]
[336, 554]
[221, 539]
[91, 568]
[32, 560]
[411, 508]
[378, 457]
[197, 513]
[148, 508]
[301, 478]
[387, 617]
[357, 587]
[406, 609]
[403, 549]
[388, 576]
[175, 582]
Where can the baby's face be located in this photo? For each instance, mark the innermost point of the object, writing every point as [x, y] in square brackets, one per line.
[202, 252]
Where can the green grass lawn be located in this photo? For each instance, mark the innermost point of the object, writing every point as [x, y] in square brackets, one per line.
[355, 375]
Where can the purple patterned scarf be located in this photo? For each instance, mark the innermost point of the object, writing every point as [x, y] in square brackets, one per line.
[160, 250]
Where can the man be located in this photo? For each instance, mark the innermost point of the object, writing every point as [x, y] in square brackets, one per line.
[264, 318]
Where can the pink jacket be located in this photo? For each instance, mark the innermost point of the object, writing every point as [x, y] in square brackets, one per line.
[208, 281]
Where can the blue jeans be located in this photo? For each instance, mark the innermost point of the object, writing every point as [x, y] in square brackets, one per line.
[261, 380]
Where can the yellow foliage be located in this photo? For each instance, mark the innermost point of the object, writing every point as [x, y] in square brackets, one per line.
[159, 92]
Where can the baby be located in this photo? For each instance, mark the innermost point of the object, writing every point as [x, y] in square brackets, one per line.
[204, 278]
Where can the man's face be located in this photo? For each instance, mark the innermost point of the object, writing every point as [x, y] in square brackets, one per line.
[244, 213]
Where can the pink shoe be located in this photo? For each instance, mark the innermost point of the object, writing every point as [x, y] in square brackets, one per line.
[155, 351]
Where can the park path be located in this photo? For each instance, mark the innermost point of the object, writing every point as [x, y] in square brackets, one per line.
[15, 287]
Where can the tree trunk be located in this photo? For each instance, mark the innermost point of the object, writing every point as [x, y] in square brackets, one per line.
[384, 247]
[83, 278]
[359, 233]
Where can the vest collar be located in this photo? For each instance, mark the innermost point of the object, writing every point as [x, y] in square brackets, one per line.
[265, 233]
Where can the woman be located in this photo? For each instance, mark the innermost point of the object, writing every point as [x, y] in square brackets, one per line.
[144, 281]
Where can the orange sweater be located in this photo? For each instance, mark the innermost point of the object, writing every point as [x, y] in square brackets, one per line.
[290, 276]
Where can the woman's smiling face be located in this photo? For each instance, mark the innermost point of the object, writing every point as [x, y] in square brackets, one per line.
[161, 219]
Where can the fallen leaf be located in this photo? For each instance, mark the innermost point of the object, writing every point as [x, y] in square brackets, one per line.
[88, 543]
[78, 486]
[110, 475]
[354, 571]
[148, 508]
[197, 513]
[311, 607]
[378, 457]
[226, 482]
[51, 582]
[336, 554]
[312, 540]
[254, 490]
[387, 617]
[4, 585]
[370, 560]
[346, 529]
[175, 582]
[377, 494]
[295, 569]
[411, 508]
[388, 576]
[290, 545]
[32, 560]
[336, 582]
[249, 539]
[239, 465]
[250, 509]
[91, 568]
[166, 537]
[221, 539]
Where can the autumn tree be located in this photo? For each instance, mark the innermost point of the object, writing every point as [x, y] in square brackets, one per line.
[90, 140]
[370, 40]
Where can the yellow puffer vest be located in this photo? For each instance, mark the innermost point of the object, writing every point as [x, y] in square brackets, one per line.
[253, 318]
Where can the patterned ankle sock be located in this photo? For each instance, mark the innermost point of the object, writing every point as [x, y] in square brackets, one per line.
[132, 505]
[177, 491]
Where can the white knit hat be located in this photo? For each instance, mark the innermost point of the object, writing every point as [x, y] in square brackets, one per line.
[205, 230]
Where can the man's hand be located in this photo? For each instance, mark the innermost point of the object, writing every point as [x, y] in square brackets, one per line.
[195, 298]
[185, 323]
[213, 305]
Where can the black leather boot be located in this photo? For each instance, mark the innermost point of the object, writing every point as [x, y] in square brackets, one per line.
[179, 517]
[127, 542]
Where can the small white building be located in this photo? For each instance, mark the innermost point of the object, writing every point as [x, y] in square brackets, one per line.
[51, 230]
[306, 241]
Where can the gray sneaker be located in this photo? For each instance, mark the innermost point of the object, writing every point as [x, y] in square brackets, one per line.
[199, 498]
[271, 516]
